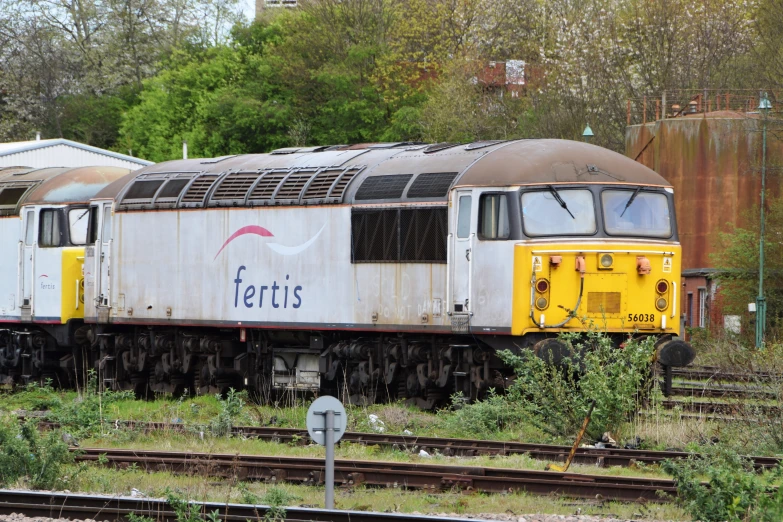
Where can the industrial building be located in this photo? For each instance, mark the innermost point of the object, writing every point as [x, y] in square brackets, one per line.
[63, 153]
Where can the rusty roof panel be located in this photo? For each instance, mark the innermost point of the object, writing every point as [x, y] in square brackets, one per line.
[529, 162]
[713, 162]
[72, 185]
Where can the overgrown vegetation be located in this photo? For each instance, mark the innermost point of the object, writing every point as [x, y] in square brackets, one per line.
[733, 491]
[557, 398]
[38, 460]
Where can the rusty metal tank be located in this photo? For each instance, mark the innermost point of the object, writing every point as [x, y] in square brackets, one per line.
[713, 160]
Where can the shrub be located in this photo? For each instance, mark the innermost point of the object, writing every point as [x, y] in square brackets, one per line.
[558, 397]
[26, 454]
[480, 419]
[733, 492]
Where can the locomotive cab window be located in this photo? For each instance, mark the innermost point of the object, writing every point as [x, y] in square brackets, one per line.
[558, 211]
[78, 218]
[51, 232]
[636, 213]
[463, 218]
[493, 216]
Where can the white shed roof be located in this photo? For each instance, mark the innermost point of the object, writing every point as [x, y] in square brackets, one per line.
[63, 153]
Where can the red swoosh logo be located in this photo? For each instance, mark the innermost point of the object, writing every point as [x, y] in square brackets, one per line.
[250, 229]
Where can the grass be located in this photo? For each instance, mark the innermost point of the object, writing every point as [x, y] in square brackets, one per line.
[182, 442]
[100, 480]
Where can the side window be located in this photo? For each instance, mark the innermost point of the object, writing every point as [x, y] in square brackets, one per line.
[92, 234]
[493, 216]
[51, 233]
[463, 218]
[77, 225]
[29, 233]
[106, 232]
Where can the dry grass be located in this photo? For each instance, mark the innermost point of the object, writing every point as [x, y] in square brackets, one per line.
[99, 480]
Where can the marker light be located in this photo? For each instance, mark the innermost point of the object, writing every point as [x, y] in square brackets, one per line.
[541, 303]
[542, 285]
[661, 304]
[662, 286]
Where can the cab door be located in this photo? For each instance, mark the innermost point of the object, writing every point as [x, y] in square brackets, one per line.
[461, 262]
[27, 264]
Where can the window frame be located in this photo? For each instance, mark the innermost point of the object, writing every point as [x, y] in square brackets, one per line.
[598, 224]
[57, 215]
[650, 190]
[479, 227]
[70, 225]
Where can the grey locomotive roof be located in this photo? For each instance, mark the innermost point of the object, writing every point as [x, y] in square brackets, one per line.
[24, 186]
[368, 174]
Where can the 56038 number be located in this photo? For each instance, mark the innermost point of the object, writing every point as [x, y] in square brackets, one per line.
[641, 318]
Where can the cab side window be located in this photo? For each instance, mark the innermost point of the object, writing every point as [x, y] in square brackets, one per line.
[51, 233]
[493, 217]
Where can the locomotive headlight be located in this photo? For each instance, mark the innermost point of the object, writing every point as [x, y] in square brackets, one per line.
[605, 261]
[661, 304]
[541, 303]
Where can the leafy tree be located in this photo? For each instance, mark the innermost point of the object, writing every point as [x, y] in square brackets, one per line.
[737, 260]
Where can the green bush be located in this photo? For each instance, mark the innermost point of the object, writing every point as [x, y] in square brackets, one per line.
[26, 454]
[556, 398]
[733, 491]
[480, 419]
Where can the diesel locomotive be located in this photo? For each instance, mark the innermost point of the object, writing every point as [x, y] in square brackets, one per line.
[375, 271]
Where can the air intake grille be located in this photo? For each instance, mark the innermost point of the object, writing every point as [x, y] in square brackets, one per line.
[235, 186]
[266, 187]
[604, 302]
[431, 185]
[320, 186]
[399, 235]
[376, 236]
[383, 187]
[199, 188]
[423, 233]
[293, 186]
[339, 189]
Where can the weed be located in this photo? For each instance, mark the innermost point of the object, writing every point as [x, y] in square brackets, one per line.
[133, 517]
[734, 492]
[277, 499]
[37, 459]
[480, 419]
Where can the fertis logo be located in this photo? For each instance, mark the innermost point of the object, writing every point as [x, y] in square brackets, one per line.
[277, 295]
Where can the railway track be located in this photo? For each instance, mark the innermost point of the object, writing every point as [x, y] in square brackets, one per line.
[456, 447]
[722, 408]
[404, 475]
[713, 373]
[117, 509]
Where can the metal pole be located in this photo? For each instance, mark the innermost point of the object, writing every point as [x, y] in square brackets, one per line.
[761, 302]
[329, 443]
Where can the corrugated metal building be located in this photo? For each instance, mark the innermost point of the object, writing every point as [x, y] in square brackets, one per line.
[63, 153]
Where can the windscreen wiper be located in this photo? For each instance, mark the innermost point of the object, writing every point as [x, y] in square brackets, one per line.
[562, 203]
[635, 193]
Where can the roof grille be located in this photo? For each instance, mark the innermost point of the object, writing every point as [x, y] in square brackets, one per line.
[293, 185]
[235, 186]
[319, 188]
[199, 188]
[266, 187]
[342, 184]
[383, 187]
[431, 185]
